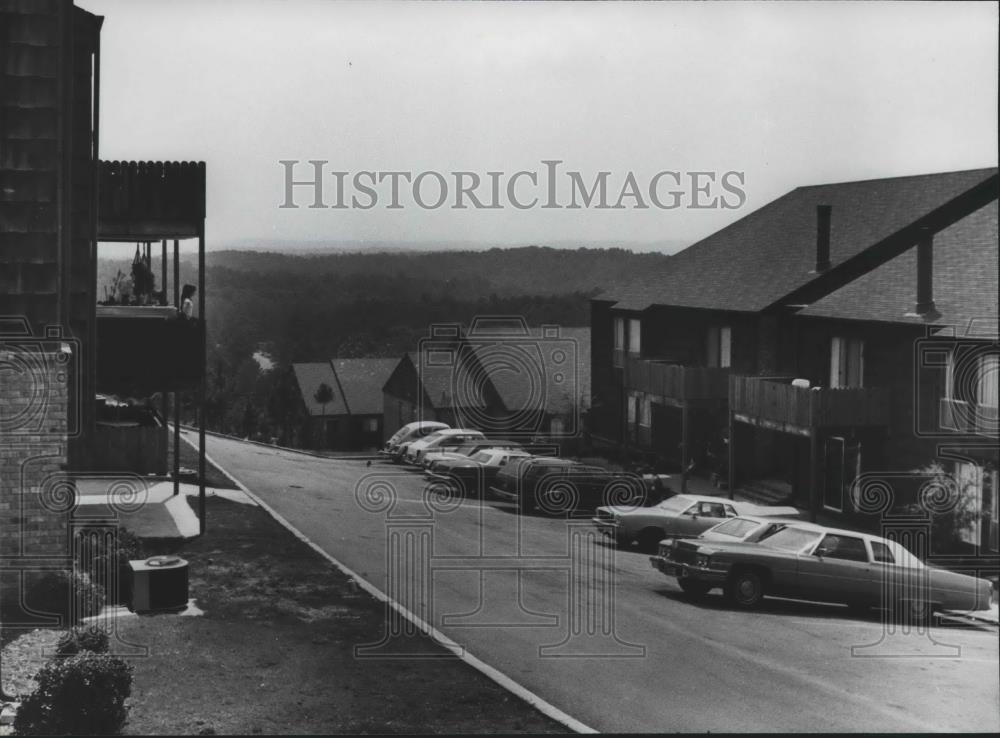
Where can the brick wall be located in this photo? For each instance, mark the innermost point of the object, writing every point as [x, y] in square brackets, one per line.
[35, 493]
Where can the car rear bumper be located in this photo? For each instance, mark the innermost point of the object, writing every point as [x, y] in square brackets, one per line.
[686, 571]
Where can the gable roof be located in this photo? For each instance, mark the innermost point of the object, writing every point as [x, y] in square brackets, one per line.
[555, 378]
[361, 382]
[965, 271]
[309, 376]
[770, 253]
[356, 384]
[447, 377]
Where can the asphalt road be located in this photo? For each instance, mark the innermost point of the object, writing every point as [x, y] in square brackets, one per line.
[612, 642]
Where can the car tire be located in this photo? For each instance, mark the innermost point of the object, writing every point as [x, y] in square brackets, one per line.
[745, 589]
[693, 588]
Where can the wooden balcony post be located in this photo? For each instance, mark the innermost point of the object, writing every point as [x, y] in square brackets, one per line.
[685, 441]
[814, 477]
[732, 456]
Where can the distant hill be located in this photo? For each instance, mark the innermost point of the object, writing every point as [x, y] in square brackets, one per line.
[530, 270]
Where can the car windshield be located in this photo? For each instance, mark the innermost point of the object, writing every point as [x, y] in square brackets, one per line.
[675, 504]
[482, 456]
[791, 539]
[737, 528]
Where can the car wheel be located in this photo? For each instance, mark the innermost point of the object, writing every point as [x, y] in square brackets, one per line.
[650, 538]
[693, 588]
[745, 589]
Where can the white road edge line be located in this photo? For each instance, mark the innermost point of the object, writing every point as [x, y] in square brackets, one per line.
[518, 690]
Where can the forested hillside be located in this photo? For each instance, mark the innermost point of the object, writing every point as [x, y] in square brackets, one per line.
[308, 308]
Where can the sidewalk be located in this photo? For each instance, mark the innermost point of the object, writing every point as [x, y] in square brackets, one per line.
[149, 510]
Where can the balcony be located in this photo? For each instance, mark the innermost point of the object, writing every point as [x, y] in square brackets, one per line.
[147, 349]
[675, 383]
[150, 200]
[968, 418]
[773, 402]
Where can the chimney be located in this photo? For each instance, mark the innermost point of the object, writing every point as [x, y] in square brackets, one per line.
[925, 274]
[823, 237]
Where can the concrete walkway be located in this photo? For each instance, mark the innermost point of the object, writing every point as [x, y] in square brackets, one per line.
[147, 509]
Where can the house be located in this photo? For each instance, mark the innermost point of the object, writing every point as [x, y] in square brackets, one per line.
[57, 202]
[499, 376]
[543, 383]
[782, 353]
[351, 417]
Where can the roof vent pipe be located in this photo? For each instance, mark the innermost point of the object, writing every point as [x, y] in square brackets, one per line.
[823, 237]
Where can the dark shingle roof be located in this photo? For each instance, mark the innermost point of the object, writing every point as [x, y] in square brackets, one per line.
[764, 256]
[556, 375]
[965, 267]
[309, 377]
[358, 381]
[361, 381]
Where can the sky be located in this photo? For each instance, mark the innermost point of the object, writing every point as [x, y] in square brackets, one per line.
[781, 94]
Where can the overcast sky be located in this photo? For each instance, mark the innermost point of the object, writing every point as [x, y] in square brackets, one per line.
[789, 94]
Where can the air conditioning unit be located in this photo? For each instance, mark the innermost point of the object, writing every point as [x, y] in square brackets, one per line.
[159, 583]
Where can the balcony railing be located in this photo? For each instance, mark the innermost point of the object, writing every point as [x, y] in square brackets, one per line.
[150, 200]
[775, 401]
[674, 381]
[959, 416]
[142, 350]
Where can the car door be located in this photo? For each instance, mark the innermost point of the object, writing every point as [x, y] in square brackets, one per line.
[838, 570]
[686, 523]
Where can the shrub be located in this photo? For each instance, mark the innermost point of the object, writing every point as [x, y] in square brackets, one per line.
[52, 593]
[80, 695]
[99, 559]
[93, 639]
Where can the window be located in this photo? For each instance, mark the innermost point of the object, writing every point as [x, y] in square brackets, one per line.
[645, 411]
[712, 510]
[634, 336]
[633, 408]
[842, 547]
[719, 347]
[882, 553]
[556, 427]
[730, 512]
[369, 425]
[989, 383]
[847, 358]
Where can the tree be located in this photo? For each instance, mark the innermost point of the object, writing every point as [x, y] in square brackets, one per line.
[323, 395]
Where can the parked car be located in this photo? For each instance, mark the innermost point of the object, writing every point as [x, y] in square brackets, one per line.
[813, 562]
[681, 516]
[409, 432]
[561, 486]
[465, 450]
[448, 438]
[471, 474]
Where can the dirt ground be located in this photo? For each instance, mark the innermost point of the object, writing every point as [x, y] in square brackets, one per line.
[274, 650]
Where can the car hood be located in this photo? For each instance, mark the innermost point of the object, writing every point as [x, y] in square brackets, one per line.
[630, 509]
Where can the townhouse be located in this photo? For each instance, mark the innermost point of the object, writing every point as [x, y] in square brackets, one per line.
[839, 332]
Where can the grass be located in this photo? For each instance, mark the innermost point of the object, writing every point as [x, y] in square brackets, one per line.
[274, 652]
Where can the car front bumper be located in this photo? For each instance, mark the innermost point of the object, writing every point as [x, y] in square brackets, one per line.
[687, 571]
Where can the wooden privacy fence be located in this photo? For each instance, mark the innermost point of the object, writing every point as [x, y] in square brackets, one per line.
[676, 381]
[776, 400]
